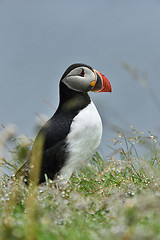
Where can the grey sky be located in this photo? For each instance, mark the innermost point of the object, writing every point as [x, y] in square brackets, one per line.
[40, 39]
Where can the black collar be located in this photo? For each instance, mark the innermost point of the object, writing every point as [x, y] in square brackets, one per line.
[72, 101]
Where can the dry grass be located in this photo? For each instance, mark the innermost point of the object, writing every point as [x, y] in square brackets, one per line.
[115, 198]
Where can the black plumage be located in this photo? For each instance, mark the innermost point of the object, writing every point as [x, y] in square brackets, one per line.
[57, 128]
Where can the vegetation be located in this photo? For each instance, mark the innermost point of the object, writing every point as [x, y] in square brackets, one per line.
[115, 198]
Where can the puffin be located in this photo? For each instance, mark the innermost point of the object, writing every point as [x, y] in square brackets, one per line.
[69, 139]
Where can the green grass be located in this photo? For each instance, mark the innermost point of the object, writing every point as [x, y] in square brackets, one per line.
[114, 198]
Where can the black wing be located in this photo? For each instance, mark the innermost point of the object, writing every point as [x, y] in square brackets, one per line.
[54, 153]
[55, 131]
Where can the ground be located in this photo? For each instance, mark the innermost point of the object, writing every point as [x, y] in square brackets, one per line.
[112, 198]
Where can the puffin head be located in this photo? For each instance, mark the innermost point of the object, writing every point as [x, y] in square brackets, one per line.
[83, 78]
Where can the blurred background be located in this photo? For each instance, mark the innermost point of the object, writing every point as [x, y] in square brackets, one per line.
[40, 39]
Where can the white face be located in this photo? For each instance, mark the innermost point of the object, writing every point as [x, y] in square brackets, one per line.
[80, 79]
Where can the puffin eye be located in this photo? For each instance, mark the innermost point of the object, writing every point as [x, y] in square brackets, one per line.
[82, 73]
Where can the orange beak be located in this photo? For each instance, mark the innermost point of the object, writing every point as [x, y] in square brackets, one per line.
[102, 83]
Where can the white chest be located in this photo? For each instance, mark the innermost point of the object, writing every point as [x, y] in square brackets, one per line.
[83, 139]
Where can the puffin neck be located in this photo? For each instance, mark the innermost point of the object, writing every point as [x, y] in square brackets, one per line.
[71, 100]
